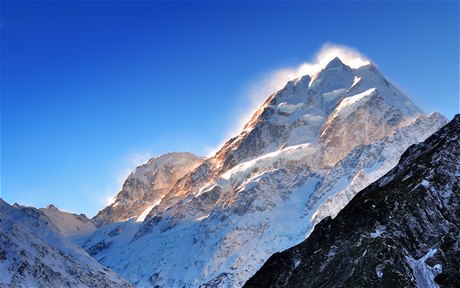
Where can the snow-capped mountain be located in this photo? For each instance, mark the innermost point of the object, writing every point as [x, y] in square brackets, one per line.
[401, 231]
[304, 154]
[145, 187]
[71, 226]
[33, 253]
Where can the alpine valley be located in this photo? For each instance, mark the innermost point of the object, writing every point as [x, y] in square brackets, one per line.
[186, 221]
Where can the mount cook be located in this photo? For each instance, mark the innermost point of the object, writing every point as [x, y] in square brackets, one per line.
[304, 154]
[302, 157]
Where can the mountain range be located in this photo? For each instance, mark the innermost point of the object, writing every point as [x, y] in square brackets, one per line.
[35, 253]
[304, 154]
[186, 221]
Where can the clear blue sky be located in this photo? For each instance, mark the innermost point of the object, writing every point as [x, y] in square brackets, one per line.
[88, 88]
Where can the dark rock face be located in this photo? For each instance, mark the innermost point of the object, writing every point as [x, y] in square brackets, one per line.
[401, 231]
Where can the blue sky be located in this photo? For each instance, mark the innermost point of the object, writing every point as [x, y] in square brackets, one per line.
[90, 89]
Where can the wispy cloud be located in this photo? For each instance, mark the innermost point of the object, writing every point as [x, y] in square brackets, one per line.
[276, 79]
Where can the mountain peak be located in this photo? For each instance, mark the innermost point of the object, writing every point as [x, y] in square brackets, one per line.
[334, 63]
[146, 185]
[456, 118]
[51, 207]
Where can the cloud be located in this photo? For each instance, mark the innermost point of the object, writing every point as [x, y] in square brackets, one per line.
[276, 79]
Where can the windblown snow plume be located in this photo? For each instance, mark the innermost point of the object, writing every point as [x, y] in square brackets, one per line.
[276, 79]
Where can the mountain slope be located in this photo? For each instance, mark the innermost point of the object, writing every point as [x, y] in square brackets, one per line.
[34, 254]
[145, 187]
[304, 154]
[71, 226]
[330, 113]
[401, 231]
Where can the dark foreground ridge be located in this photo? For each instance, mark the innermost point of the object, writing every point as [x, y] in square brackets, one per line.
[401, 231]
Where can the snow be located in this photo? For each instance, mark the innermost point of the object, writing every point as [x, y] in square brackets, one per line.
[208, 188]
[6, 274]
[338, 187]
[379, 271]
[424, 274]
[316, 119]
[356, 80]
[377, 233]
[297, 262]
[71, 226]
[333, 95]
[287, 108]
[202, 218]
[425, 183]
[331, 253]
[144, 213]
[351, 103]
[36, 244]
[291, 153]
[301, 135]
